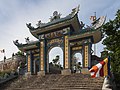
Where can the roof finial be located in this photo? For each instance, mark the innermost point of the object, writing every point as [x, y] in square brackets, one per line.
[74, 11]
[93, 18]
[55, 16]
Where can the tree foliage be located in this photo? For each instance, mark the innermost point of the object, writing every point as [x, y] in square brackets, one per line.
[19, 53]
[112, 43]
[55, 61]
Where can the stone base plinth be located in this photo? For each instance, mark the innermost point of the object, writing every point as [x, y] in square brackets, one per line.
[28, 74]
[107, 84]
[66, 72]
[41, 73]
[85, 71]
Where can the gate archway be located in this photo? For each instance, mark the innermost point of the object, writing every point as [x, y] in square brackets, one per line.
[56, 51]
[55, 60]
[79, 58]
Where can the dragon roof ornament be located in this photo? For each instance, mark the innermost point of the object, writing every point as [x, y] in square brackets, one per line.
[99, 22]
[17, 43]
[75, 11]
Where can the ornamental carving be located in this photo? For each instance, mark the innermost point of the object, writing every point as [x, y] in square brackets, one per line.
[30, 26]
[54, 41]
[17, 43]
[77, 48]
[54, 34]
[80, 42]
[55, 16]
[40, 24]
[57, 33]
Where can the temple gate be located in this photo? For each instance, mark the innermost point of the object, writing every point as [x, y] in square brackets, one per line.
[67, 33]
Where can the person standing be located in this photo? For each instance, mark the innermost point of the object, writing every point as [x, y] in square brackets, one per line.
[74, 68]
[79, 66]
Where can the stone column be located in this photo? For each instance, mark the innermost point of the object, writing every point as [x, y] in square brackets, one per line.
[89, 55]
[42, 59]
[66, 70]
[86, 48]
[28, 65]
[86, 59]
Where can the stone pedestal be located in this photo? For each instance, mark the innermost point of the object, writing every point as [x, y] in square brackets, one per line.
[27, 74]
[85, 71]
[41, 73]
[66, 72]
[107, 84]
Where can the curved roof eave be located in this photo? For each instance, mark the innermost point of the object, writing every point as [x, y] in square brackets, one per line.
[27, 46]
[59, 24]
[57, 21]
[97, 36]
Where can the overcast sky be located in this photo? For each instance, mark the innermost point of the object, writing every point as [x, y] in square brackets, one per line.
[14, 14]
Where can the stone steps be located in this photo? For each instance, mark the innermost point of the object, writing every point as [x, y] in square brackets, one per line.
[56, 89]
[56, 82]
[72, 88]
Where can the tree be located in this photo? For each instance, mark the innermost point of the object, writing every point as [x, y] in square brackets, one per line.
[19, 53]
[56, 60]
[112, 43]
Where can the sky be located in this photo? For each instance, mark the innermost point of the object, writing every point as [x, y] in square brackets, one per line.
[14, 14]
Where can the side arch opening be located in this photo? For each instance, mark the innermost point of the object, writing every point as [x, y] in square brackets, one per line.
[77, 62]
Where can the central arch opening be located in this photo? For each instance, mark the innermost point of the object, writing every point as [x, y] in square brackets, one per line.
[55, 60]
